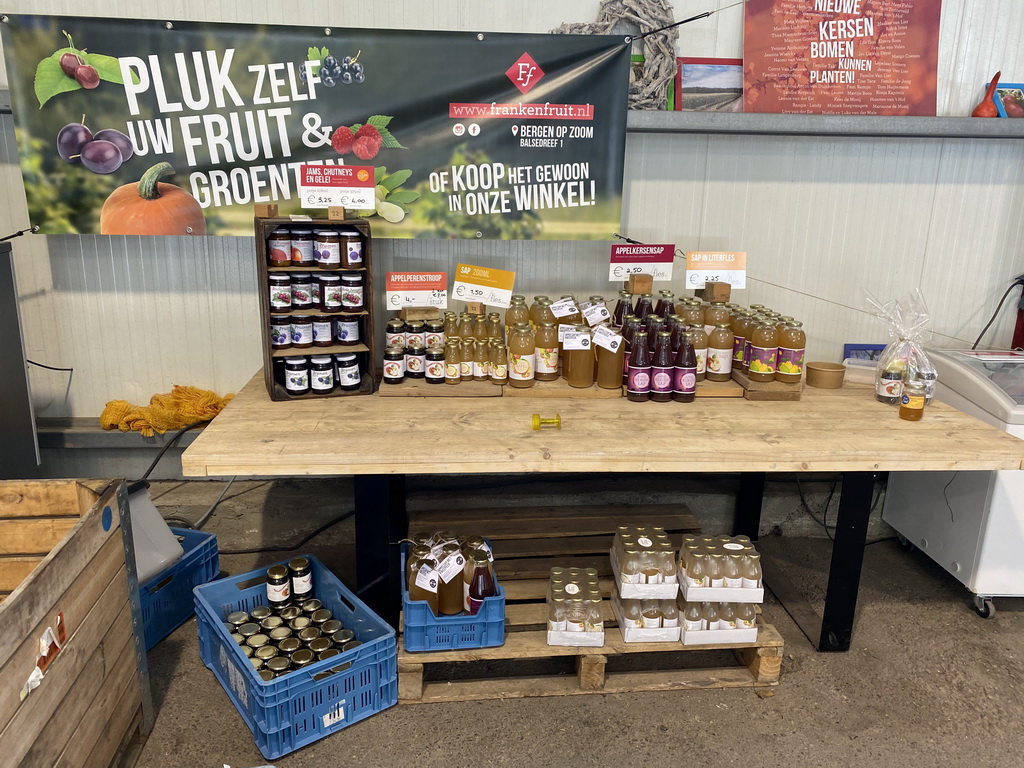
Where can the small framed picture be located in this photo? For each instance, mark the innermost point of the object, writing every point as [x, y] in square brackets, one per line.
[862, 351]
[1010, 99]
[709, 85]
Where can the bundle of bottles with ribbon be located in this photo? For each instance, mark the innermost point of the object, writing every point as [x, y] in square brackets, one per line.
[453, 575]
[659, 351]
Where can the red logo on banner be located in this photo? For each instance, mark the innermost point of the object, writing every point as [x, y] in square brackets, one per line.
[525, 73]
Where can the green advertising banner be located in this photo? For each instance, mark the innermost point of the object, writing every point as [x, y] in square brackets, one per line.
[150, 127]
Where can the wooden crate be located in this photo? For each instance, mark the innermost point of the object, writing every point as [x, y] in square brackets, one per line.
[63, 557]
[273, 359]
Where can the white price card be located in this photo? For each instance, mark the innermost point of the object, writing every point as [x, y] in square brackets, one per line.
[653, 260]
[607, 338]
[562, 331]
[717, 267]
[574, 339]
[416, 289]
[349, 186]
[484, 284]
[596, 313]
[564, 308]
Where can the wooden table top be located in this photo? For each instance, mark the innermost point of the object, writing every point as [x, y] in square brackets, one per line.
[826, 431]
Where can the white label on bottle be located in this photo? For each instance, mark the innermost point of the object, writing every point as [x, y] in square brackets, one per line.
[414, 363]
[499, 372]
[352, 296]
[652, 623]
[547, 359]
[719, 360]
[607, 338]
[719, 582]
[630, 578]
[520, 367]
[561, 332]
[737, 582]
[556, 626]
[302, 585]
[595, 626]
[632, 624]
[726, 624]
[479, 370]
[713, 624]
[670, 623]
[426, 578]
[643, 541]
[348, 375]
[701, 582]
[747, 623]
[451, 567]
[750, 583]
[653, 578]
[466, 369]
[693, 626]
[702, 359]
[574, 339]
[394, 339]
[564, 308]
[572, 589]
[669, 578]
[278, 593]
[595, 314]
[733, 545]
[575, 625]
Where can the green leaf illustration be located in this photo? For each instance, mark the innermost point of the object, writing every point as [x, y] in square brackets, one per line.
[387, 140]
[51, 80]
[379, 121]
[396, 179]
[379, 173]
[403, 196]
[324, 53]
[108, 68]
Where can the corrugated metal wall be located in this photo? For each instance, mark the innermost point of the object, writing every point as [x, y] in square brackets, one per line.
[823, 219]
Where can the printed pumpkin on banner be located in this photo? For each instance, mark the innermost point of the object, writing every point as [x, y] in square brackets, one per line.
[506, 136]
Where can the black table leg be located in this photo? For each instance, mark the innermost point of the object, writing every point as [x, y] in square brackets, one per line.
[847, 560]
[381, 522]
[749, 498]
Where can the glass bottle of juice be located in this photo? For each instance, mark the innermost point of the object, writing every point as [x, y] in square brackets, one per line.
[638, 386]
[669, 614]
[726, 616]
[479, 327]
[449, 569]
[580, 362]
[666, 304]
[632, 618]
[522, 353]
[651, 611]
[424, 584]
[732, 570]
[481, 586]
[789, 366]
[499, 364]
[714, 314]
[696, 570]
[546, 347]
[630, 325]
[623, 307]
[720, 349]
[609, 366]
[716, 575]
[643, 307]
[556, 612]
[746, 616]
[691, 312]
[662, 377]
[709, 612]
[544, 313]
[493, 325]
[739, 336]
[516, 313]
[751, 571]
[468, 355]
[782, 321]
[764, 350]
[693, 620]
[481, 361]
[629, 567]
[699, 339]
[654, 325]
[451, 325]
[452, 362]
[535, 309]
[465, 326]
[417, 552]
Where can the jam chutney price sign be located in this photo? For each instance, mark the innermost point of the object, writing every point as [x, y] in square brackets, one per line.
[716, 267]
[653, 260]
[416, 289]
[490, 286]
[348, 186]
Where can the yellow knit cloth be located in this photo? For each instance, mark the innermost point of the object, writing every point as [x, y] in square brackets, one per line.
[169, 410]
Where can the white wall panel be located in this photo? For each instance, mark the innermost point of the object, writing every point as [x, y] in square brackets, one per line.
[824, 219]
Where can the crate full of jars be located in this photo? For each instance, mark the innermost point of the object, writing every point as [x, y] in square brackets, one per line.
[644, 563]
[575, 610]
[299, 655]
[316, 308]
[720, 569]
[451, 598]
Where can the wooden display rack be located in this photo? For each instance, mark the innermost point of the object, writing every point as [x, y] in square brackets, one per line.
[365, 351]
[767, 390]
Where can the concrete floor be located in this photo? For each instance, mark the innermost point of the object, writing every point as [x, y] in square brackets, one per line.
[926, 683]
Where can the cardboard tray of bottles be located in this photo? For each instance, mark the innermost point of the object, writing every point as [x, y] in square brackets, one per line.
[629, 591]
[365, 351]
[641, 635]
[709, 636]
[721, 595]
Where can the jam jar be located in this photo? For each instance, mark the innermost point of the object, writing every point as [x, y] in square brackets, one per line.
[415, 361]
[280, 331]
[433, 336]
[279, 248]
[346, 330]
[302, 331]
[330, 293]
[302, 290]
[321, 378]
[347, 372]
[280, 291]
[352, 292]
[415, 330]
[394, 332]
[323, 330]
[327, 249]
[434, 368]
[351, 247]
[394, 365]
[302, 248]
[296, 376]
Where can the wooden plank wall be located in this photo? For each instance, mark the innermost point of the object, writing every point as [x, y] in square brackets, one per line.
[90, 700]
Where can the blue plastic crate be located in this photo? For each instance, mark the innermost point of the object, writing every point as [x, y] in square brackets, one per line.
[167, 597]
[304, 705]
[423, 631]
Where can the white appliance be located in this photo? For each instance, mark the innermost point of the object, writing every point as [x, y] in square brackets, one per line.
[970, 523]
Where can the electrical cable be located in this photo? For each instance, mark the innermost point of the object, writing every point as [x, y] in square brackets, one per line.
[290, 547]
[168, 445]
[48, 367]
[209, 513]
[995, 314]
[828, 501]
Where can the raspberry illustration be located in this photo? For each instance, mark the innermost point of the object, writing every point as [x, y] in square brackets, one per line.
[342, 140]
[367, 142]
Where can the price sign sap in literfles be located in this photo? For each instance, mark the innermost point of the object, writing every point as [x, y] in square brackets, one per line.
[348, 186]
[490, 286]
[653, 260]
[717, 267]
[416, 289]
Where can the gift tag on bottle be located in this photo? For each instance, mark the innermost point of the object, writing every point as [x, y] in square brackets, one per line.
[426, 578]
[574, 339]
[564, 308]
[596, 313]
[451, 566]
[607, 338]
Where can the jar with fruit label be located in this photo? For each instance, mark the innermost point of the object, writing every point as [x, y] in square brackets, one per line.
[279, 248]
[499, 364]
[433, 336]
[789, 366]
[302, 290]
[351, 247]
[394, 365]
[323, 330]
[280, 331]
[466, 358]
[330, 293]
[280, 291]
[434, 370]
[481, 361]
[327, 249]
[302, 331]
[522, 353]
[546, 348]
[764, 350]
[321, 377]
[302, 248]
[414, 333]
[347, 372]
[296, 376]
[346, 330]
[912, 400]
[452, 362]
[720, 349]
[699, 339]
[416, 361]
[394, 332]
[352, 298]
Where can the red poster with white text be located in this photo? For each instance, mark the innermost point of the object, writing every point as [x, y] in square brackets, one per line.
[851, 57]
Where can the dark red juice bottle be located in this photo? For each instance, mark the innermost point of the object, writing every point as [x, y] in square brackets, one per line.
[684, 388]
[638, 385]
[630, 324]
[662, 370]
[623, 308]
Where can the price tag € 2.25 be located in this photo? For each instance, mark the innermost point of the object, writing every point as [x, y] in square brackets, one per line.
[576, 340]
